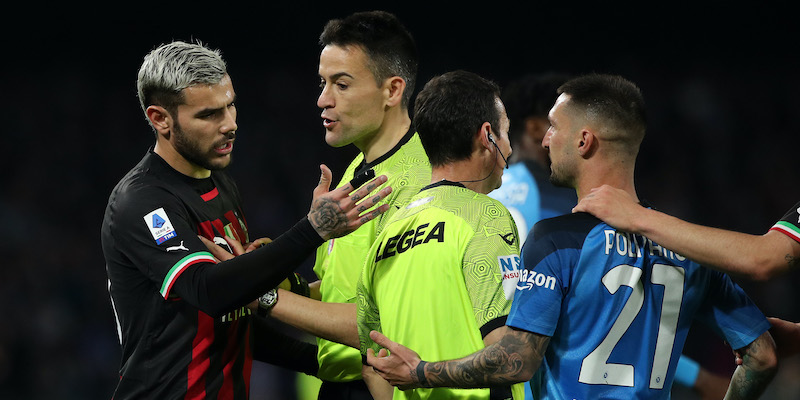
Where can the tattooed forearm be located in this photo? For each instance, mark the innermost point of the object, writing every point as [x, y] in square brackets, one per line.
[758, 367]
[512, 359]
[748, 384]
[792, 261]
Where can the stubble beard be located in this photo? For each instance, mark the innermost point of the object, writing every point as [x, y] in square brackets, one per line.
[559, 178]
[191, 151]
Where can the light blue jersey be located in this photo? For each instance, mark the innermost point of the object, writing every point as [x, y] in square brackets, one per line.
[618, 308]
[520, 194]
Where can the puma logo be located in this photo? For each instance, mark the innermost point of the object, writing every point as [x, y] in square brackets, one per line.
[178, 247]
[222, 243]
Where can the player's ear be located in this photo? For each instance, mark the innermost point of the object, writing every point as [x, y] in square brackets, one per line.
[586, 143]
[160, 119]
[395, 87]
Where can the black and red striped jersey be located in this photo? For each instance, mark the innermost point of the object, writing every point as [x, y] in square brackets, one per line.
[170, 348]
[790, 223]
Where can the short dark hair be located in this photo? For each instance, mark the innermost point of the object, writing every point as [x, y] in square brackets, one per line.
[448, 112]
[613, 101]
[531, 96]
[387, 43]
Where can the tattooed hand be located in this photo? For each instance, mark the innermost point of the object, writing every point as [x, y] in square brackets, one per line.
[513, 358]
[337, 213]
[400, 368]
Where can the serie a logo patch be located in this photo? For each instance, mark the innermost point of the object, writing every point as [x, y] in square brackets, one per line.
[160, 226]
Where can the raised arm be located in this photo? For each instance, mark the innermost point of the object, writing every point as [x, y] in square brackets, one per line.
[512, 359]
[219, 288]
[335, 213]
[759, 365]
[757, 257]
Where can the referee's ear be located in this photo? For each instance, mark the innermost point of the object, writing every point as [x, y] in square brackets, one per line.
[395, 87]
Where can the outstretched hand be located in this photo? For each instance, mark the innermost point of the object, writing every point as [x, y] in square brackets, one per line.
[397, 366]
[223, 255]
[615, 207]
[337, 212]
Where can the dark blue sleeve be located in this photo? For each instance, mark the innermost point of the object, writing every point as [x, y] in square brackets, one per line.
[729, 312]
[548, 259]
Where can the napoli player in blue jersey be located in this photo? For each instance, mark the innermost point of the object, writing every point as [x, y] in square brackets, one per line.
[599, 313]
[530, 196]
[755, 257]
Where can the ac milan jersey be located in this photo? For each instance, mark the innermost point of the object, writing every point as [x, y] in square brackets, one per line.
[170, 349]
[790, 223]
[618, 307]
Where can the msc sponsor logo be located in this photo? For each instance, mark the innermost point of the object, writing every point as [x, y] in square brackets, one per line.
[510, 267]
[409, 239]
[528, 279]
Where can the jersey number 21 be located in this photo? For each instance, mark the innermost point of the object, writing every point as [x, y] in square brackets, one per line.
[595, 368]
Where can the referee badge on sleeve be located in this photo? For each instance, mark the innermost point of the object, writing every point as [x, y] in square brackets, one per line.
[510, 268]
[160, 226]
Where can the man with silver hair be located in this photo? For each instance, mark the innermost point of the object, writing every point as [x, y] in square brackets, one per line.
[182, 316]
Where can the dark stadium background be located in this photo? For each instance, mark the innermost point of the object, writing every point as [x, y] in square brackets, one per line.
[721, 83]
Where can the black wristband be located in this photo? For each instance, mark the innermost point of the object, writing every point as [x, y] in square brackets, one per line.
[423, 381]
[299, 285]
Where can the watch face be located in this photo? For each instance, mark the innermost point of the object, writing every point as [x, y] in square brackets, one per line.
[269, 298]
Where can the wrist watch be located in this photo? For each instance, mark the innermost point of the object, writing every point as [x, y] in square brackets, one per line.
[267, 301]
